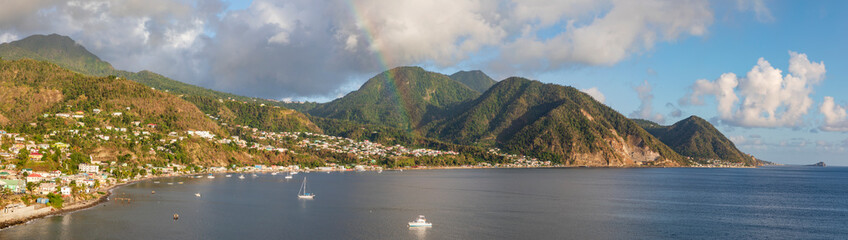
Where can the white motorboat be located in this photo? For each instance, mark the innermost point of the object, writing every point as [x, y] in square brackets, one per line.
[420, 222]
[229, 175]
[289, 176]
[303, 193]
[197, 194]
[241, 177]
[210, 176]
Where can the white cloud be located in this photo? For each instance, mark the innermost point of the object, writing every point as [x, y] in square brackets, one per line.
[595, 93]
[302, 48]
[444, 31]
[761, 11]
[8, 37]
[766, 97]
[835, 116]
[628, 27]
[646, 109]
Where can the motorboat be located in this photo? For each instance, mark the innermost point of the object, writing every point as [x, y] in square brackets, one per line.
[420, 222]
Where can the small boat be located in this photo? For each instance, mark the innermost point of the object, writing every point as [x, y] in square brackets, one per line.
[210, 176]
[303, 193]
[229, 175]
[293, 172]
[253, 175]
[180, 183]
[156, 182]
[420, 222]
[289, 176]
[152, 192]
[197, 194]
[241, 177]
[170, 183]
[176, 216]
[274, 173]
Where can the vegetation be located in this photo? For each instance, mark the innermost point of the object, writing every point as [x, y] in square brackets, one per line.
[696, 138]
[266, 118]
[63, 51]
[403, 98]
[476, 80]
[551, 122]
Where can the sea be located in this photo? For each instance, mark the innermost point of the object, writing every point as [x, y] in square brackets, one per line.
[784, 202]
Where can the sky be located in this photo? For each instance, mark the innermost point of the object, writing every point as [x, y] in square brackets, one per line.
[769, 74]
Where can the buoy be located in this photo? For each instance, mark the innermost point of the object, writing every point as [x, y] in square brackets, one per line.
[176, 216]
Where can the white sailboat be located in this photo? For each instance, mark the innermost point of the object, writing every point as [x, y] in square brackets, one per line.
[303, 193]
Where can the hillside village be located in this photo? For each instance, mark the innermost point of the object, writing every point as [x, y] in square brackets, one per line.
[50, 169]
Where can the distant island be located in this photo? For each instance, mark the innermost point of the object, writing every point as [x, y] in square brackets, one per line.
[818, 164]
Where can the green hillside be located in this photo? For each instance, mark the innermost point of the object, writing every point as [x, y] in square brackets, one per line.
[403, 97]
[696, 138]
[554, 123]
[476, 80]
[65, 52]
[266, 118]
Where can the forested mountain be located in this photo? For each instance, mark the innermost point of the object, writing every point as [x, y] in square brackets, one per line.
[29, 89]
[466, 111]
[696, 138]
[65, 52]
[403, 97]
[476, 80]
[266, 118]
[555, 123]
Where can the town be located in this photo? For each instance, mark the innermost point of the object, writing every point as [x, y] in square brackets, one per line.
[44, 172]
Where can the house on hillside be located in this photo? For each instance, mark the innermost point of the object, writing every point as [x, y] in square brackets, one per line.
[88, 168]
[14, 185]
[34, 178]
[117, 114]
[66, 191]
[47, 188]
[36, 156]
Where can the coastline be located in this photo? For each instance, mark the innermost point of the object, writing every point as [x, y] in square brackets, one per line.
[78, 206]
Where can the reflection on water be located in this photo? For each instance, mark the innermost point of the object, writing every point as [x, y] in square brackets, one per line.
[474, 204]
[419, 232]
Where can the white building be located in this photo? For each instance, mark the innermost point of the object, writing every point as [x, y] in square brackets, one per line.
[89, 168]
[66, 191]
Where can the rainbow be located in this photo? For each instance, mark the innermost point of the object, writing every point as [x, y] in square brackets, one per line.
[368, 30]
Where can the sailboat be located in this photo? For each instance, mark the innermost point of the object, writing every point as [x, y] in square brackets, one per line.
[302, 193]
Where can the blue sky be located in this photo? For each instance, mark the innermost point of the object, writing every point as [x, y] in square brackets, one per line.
[656, 59]
[733, 44]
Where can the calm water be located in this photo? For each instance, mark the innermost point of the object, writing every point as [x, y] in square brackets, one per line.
[772, 202]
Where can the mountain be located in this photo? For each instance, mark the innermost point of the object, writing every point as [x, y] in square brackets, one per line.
[403, 97]
[57, 49]
[554, 123]
[260, 116]
[65, 52]
[30, 88]
[476, 80]
[696, 138]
